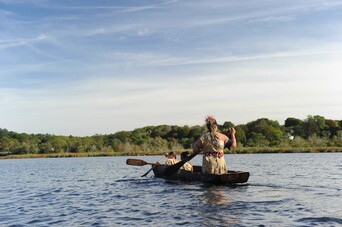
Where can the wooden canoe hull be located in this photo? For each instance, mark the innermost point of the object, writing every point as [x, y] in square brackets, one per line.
[231, 177]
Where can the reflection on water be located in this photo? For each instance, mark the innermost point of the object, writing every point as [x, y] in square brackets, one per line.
[215, 195]
[215, 201]
[221, 205]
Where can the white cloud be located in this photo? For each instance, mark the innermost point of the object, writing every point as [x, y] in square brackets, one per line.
[87, 70]
[4, 44]
[103, 105]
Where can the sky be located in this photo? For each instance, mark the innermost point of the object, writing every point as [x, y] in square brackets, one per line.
[83, 67]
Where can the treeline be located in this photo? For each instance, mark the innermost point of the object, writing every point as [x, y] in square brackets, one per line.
[314, 131]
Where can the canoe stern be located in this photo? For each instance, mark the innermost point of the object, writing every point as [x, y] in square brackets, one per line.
[235, 177]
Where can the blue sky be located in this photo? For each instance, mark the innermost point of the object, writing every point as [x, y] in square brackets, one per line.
[86, 67]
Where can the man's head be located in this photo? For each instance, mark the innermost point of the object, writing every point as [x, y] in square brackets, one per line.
[171, 154]
[211, 123]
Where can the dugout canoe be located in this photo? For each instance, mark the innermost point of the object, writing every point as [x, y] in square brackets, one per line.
[231, 177]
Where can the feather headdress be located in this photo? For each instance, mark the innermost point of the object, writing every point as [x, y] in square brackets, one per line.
[210, 121]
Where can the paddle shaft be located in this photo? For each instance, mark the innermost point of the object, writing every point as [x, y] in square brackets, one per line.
[145, 174]
[170, 170]
[137, 162]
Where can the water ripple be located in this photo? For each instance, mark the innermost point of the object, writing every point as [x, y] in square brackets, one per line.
[107, 192]
[321, 220]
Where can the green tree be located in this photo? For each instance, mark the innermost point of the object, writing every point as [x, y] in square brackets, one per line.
[58, 144]
[123, 136]
[99, 141]
[226, 125]
[46, 148]
[295, 127]
[196, 131]
[270, 130]
[159, 144]
[337, 139]
[5, 143]
[183, 132]
[332, 126]
[315, 125]
[241, 134]
[161, 131]
[174, 145]
[257, 140]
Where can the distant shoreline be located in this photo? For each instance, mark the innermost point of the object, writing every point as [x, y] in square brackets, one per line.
[242, 150]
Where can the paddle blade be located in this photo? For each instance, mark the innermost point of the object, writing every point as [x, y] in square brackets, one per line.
[136, 162]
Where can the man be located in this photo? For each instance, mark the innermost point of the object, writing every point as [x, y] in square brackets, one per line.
[211, 144]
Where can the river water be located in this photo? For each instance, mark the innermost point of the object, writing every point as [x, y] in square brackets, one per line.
[283, 190]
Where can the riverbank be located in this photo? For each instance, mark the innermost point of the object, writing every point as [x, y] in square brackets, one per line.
[259, 150]
[239, 150]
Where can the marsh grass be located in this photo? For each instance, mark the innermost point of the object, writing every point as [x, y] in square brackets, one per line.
[239, 150]
[259, 150]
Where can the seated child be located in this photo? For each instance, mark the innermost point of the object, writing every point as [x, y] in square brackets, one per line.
[171, 158]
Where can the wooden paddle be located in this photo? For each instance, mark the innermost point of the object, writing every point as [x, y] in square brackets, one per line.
[138, 162]
[145, 174]
[170, 170]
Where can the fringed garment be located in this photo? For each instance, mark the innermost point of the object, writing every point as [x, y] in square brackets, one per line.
[211, 146]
